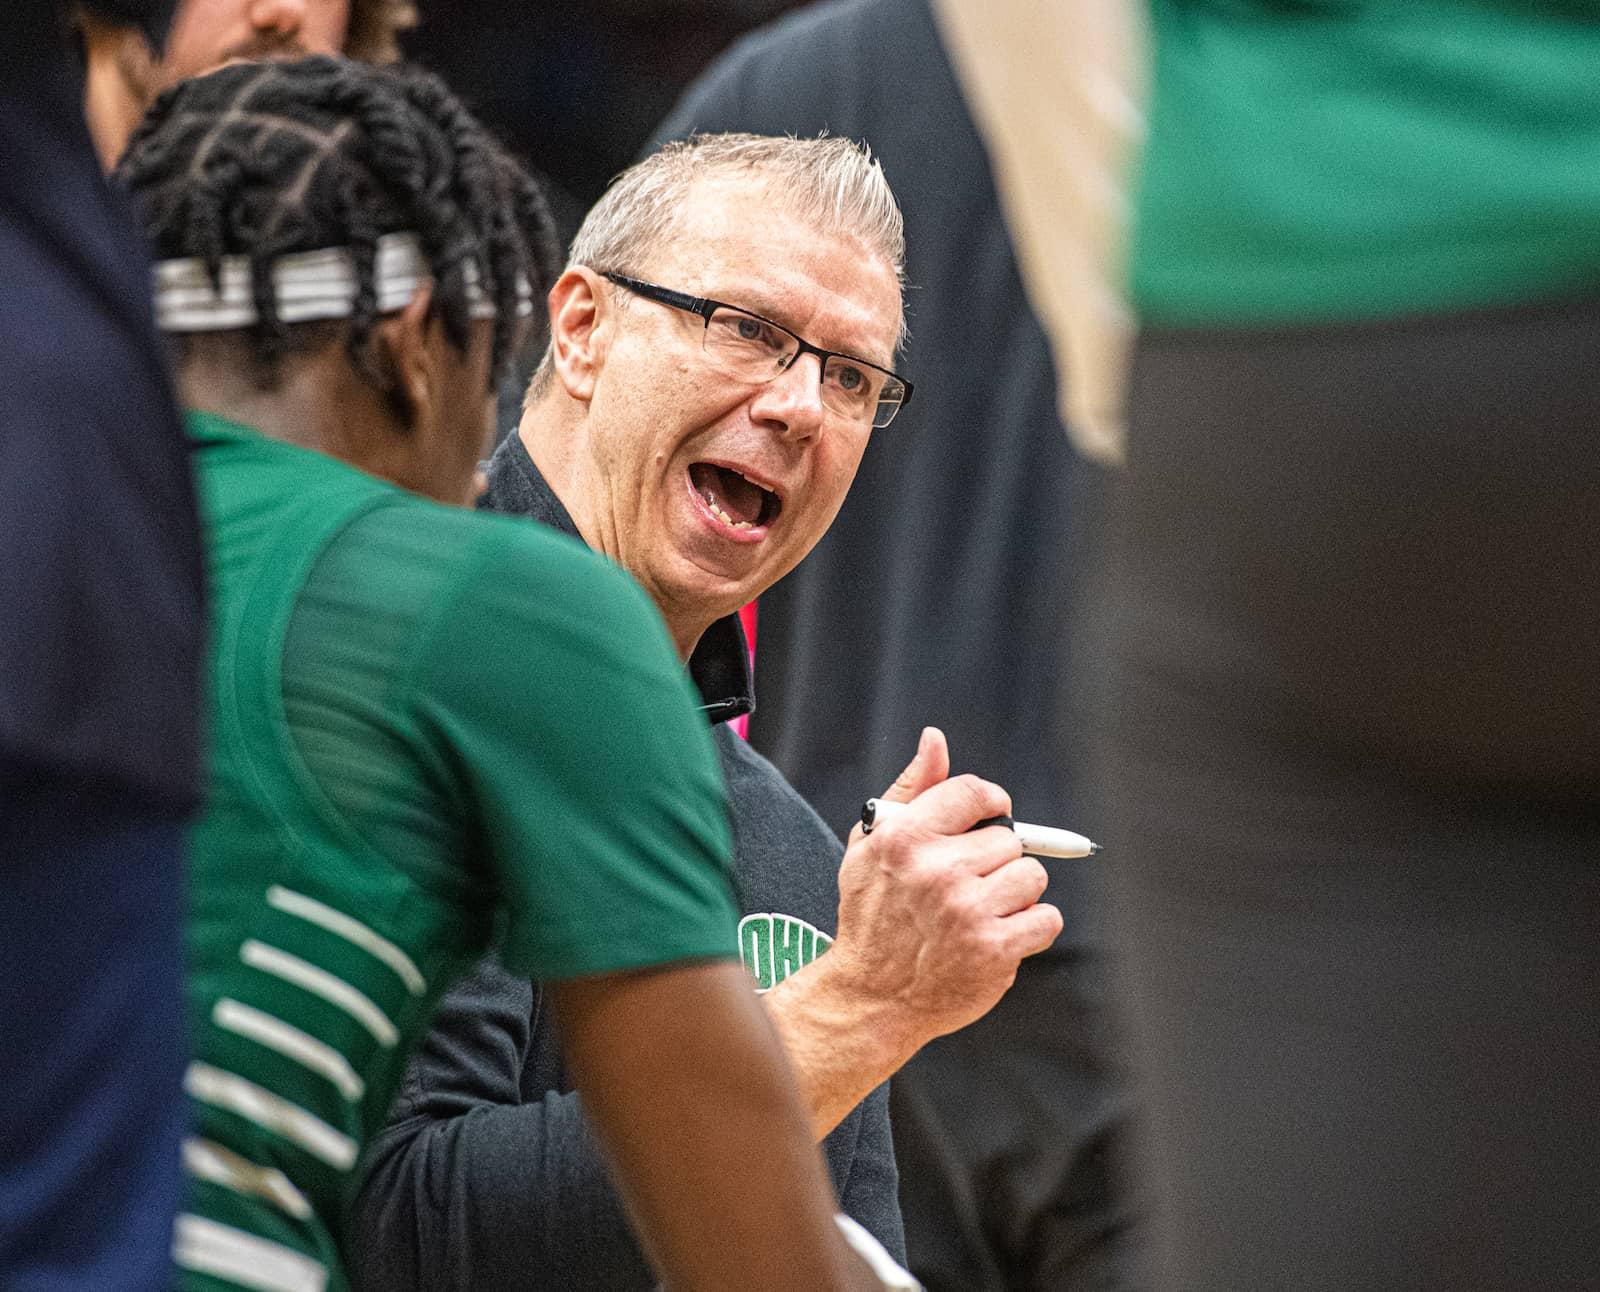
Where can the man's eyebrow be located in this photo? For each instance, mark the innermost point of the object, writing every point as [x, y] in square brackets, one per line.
[751, 303]
[886, 362]
[772, 315]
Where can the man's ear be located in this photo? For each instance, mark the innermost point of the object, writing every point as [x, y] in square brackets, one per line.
[400, 352]
[579, 314]
[119, 81]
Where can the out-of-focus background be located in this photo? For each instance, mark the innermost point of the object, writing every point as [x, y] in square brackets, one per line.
[577, 88]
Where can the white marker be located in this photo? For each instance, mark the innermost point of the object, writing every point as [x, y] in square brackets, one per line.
[1040, 840]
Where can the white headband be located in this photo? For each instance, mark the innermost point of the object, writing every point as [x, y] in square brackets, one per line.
[308, 285]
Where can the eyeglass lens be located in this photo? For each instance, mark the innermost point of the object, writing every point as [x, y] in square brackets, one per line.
[750, 347]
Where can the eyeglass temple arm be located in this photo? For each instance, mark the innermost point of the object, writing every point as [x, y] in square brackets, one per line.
[678, 300]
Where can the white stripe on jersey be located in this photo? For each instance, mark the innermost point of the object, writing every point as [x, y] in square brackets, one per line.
[351, 930]
[207, 1161]
[223, 1252]
[334, 990]
[304, 1049]
[271, 1112]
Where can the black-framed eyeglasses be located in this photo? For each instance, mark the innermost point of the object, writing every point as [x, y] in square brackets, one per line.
[753, 348]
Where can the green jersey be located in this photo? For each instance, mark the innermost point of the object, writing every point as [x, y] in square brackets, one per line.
[430, 729]
[1342, 159]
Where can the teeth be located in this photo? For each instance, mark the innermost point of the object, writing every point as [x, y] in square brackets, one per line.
[723, 516]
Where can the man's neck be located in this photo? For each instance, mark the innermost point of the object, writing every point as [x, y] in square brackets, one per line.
[554, 445]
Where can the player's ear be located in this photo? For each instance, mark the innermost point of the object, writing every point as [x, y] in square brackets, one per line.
[401, 353]
[580, 330]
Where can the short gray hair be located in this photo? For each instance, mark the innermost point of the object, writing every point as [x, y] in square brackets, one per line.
[832, 183]
[829, 182]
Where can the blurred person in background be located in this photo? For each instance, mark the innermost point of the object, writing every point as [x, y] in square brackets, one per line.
[125, 72]
[682, 425]
[347, 258]
[579, 86]
[951, 589]
[1354, 784]
[101, 634]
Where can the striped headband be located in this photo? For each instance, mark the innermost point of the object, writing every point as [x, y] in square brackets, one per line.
[307, 284]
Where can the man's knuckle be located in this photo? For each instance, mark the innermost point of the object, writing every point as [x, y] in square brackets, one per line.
[902, 854]
[1005, 949]
[976, 928]
[941, 885]
[971, 786]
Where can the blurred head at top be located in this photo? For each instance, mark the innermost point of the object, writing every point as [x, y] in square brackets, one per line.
[125, 73]
[347, 258]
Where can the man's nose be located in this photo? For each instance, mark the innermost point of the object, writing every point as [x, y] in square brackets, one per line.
[282, 16]
[791, 402]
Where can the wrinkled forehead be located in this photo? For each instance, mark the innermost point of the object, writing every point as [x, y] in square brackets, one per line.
[743, 240]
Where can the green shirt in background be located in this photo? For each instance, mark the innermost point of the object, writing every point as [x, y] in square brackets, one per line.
[1346, 159]
[430, 727]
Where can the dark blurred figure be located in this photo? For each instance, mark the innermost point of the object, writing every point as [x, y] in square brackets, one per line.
[100, 642]
[611, 68]
[1353, 705]
[946, 592]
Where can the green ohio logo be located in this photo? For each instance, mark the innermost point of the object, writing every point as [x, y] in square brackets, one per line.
[775, 946]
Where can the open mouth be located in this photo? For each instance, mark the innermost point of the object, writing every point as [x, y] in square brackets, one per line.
[736, 501]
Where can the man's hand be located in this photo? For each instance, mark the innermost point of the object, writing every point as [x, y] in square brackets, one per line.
[934, 918]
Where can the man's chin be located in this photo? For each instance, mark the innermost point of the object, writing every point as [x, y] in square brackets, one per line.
[714, 593]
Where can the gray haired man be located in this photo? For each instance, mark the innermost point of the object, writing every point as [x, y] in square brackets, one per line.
[722, 348]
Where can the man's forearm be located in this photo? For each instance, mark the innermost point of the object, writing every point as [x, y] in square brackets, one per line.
[842, 1041]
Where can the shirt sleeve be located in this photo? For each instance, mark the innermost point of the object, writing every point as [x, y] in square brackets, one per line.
[490, 1176]
[871, 1194]
[470, 1187]
[548, 687]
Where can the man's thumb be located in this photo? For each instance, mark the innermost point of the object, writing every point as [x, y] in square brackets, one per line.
[929, 766]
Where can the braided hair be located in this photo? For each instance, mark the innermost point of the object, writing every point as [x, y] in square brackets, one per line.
[263, 160]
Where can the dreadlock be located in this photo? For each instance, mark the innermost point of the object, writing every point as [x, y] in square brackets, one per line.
[263, 160]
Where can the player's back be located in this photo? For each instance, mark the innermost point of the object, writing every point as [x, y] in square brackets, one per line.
[381, 786]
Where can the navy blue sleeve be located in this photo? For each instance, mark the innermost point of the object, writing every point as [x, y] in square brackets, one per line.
[100, 677]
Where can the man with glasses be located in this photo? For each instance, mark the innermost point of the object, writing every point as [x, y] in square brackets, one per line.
[722, 345]
[749, 346]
